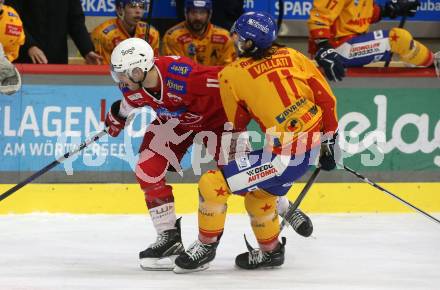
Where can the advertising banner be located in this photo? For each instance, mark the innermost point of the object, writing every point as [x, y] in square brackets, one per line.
[429, 10]
[385, 129]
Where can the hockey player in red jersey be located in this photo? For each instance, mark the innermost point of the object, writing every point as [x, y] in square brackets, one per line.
[186, 99]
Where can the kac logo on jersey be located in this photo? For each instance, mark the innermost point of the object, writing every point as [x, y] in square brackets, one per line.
[181, 69]
[176, 85]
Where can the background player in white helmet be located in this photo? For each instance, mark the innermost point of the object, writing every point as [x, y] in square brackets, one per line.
[181, 91]
[186, 98]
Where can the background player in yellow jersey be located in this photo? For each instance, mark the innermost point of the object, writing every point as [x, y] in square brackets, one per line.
[340, 38]
[198, 38]
[11, 38]
[10, 80]
[291, 101]
[11, 31]
[128, 24]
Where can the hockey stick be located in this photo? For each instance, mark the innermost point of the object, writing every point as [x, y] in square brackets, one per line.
[390, 193]
[61, 159]
[303, 193]
[401, 24]
[280, 14]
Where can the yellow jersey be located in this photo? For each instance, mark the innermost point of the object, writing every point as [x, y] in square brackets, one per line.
[12, 36]
[285, 94]
[214, 47]
[337, 19]
[110, 33]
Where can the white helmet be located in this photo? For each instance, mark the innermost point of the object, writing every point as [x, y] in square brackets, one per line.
[130, 54]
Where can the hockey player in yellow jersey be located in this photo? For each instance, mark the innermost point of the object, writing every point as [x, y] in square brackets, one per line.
[128, 24]
[289, 98]
[12, 33]
[198, 38]
[339, 35]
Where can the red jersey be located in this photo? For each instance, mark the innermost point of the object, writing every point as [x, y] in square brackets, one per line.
[188, 92]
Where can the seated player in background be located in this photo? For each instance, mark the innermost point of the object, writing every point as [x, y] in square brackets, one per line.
[339, 35]
[10, 80]
[294, 105]
[197, 38]
[186, 99]
[128, 24]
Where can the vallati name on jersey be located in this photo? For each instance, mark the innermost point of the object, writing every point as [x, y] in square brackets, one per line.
[269, 65]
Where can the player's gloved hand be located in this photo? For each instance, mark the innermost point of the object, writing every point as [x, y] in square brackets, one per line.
[240, 146]
[327, 157]
[329, 59]
[395, 8]
[113, 121]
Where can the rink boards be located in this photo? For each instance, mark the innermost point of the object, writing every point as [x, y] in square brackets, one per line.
[403, 102]
[129, 199]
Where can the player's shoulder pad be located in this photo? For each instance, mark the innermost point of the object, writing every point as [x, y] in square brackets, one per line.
[106, 27]
[176, 29]
[219, 35]
[11, 11]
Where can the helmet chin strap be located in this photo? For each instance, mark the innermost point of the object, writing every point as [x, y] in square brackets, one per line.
[242, 50]
[139, 83]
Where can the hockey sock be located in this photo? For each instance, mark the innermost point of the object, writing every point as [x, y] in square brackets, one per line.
[261, 207]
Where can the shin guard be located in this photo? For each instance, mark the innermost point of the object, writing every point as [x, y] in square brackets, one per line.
[213, 196]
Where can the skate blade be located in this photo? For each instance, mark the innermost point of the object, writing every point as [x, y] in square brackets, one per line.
[158, 264]
[179, 270]
[259, 268]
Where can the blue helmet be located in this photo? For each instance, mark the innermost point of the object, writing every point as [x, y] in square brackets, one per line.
[122, 3]
[259, 27]
[207, 4]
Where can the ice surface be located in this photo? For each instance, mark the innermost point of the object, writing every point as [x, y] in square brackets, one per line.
[371, 251]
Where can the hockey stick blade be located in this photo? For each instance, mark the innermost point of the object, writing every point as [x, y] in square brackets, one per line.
[363, 178]
[54, 163]
[303, 193]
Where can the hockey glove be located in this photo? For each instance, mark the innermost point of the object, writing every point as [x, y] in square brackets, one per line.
[395, 8]
[10, 80]
[329, 59]
[327, 157]
[113, 121]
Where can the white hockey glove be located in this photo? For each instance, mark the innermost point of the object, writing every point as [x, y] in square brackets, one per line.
[437, 63]
[10, 80]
